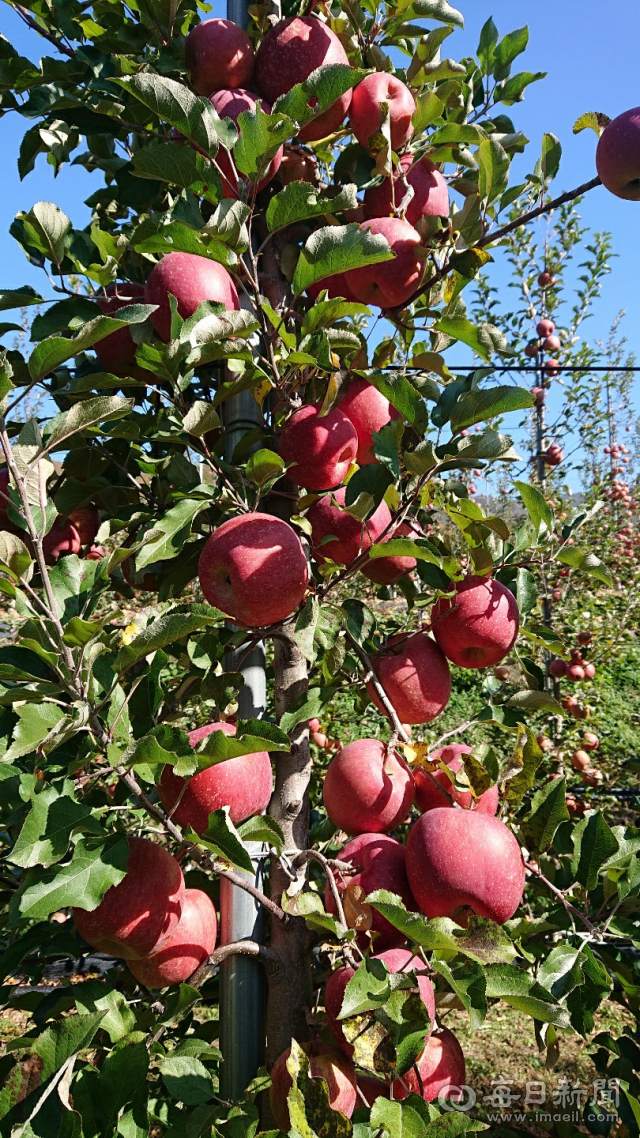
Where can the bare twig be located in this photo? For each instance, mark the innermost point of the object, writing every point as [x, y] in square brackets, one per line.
[237, 948]
[370, 677]
[537, 872]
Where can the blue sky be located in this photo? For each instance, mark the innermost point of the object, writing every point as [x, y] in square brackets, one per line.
[590, 53]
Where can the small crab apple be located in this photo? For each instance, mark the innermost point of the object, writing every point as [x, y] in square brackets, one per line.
[590, 741]
[254, 569]
[546, 279]
[545, 328]
[580, 760]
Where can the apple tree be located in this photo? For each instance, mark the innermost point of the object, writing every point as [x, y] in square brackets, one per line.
[285, 226]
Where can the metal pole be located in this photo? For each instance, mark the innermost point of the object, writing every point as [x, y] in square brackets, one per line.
[242, 980]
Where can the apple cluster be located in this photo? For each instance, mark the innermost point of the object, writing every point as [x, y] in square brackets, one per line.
[163, 930]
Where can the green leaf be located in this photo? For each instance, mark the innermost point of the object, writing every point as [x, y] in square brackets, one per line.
[200, 418]
[186, 1079]
[397, 1119]
[548, 163]
[46, 228]
[60, 1041]
[309, 905]
[180, 166]
[322, 87]
[366, 489]
[88, 414]
[484, 339]
[402, 395]
[593, 844]
[312, 705]
[510, 47]
[19, 298]
[548, 811]
[434, 10]
[44, 838]
[521, 991]
[493, 166]
[55, 350]
[170, 532]
[592, 120]
[262, 828]
[83, 882]
[310, 1111]
[306, 624]
[252, 735]
[261, 136]
[535, 701]
[174, 103]
[524, 763]
[223, 839]
[172, 625]
[336, 249]
[479, 405]
[585, 563]
[95, 996]
[406, 547]
[263, 466]
[487, 45]
[35, 723]
[512, 90]
[300, 200]
[537, 507]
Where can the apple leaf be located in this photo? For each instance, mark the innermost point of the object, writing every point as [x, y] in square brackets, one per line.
[222, 838]
[200, 418]
[89, 413]
[55, 350]
[337, 249]
[537, 507]
[172, 625]
[264, 829]
[536, 701]
[593, 120]
[300, 200]
[324, 86]
[252, 736]
[187, 1079]
[175, 104]
[46, 228]
[44, 838]
[261, 136]
[548, 811]
[309, 905]
[19, 298]
[164, 744]
[521, 991]
[406, 547]
[83, 882]
[179, 165]
[488, 403]
[585, 563]
[523, 765]
[310, 1110]
[402, 395]
[433, 10]
[170, 532]
[593, 844]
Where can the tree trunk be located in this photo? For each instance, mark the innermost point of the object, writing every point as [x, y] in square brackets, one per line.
[290, 990]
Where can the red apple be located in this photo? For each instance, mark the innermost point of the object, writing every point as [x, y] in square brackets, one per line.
[369, 411]
[321, 447]
[366, 789]
[584, 638]
[350, 537]
[336, 286]
[95, 553]
[230, 104]
[117, 352]
[396, 960]
[319, 738]
[558, 668]
[191, 279]
[552, 367]
[539, 395]
[580, 760]
[430, 192]
[478, 627]
[415, 676]
[462, 858]
[618, 156]
[442, 1070]
[243, 784]
[86, 519]
[545, 328]
[532, 349]
[552, 344]
[590, 741]
[589, 671]
[365, 112]
[61, 540]
[190, 944]
[218, 54]
[428, 792]
[574, 673]
[298, 165]
[592, 777]
[324, 1062]
[546, 279]
[379, 862]
[254, 569]
[315, 725]
[137, 916]
[389, 570]
[288, 54]
[391, 283]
